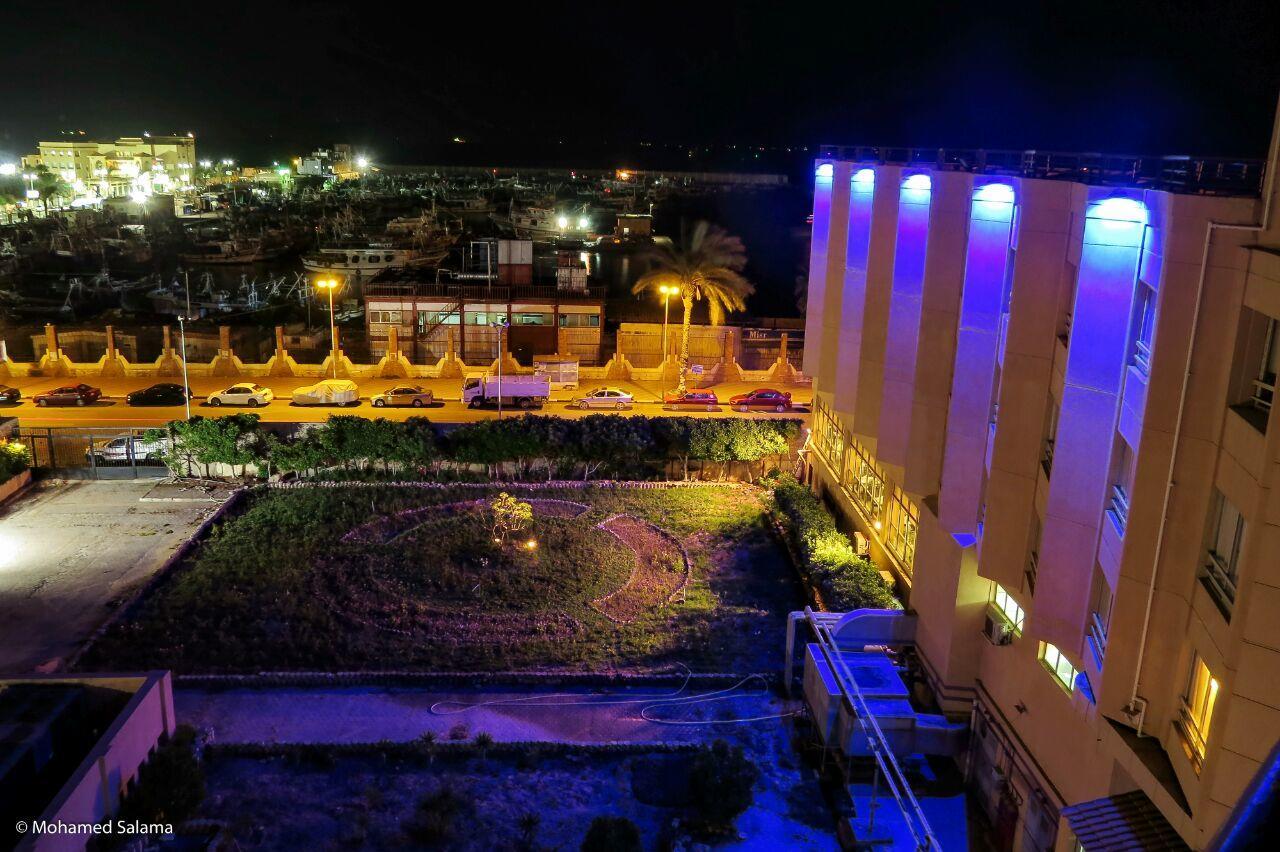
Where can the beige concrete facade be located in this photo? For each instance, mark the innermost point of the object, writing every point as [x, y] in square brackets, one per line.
[1000, 407]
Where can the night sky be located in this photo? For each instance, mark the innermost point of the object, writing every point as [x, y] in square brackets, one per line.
[549, 81]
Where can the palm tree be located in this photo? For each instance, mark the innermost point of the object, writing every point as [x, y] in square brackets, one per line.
[706, 264]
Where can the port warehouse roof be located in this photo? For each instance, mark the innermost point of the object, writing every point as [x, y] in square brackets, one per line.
[407, 282]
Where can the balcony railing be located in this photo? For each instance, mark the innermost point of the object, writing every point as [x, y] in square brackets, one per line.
[1191, 735]
[1098, 636]
[1046, 457]
[1119, 508]
[1178, 173]
[1222, 585]
[1264, 393]
[1142, 356]
[489, 293]
[1033, 567]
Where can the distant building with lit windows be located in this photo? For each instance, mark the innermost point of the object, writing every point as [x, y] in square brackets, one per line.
[1042, 391]
[150, 165]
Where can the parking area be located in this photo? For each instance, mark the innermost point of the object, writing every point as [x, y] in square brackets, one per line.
[70, 551]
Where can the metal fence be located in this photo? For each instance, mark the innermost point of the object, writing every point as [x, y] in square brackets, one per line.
[94, 453]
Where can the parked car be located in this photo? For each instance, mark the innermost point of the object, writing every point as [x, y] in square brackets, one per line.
[245, 393]
[603, 398]
[161, 394]
[9, 395]
[692, 399]
[762, 398]
[411, 395]
[328, 392]
[127, 449]
[69, 395]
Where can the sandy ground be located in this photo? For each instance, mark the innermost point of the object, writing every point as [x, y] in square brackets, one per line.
[370, 714]
[111, 410]
[68, 551]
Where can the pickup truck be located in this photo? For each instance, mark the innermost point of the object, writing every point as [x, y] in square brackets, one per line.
[518, 391]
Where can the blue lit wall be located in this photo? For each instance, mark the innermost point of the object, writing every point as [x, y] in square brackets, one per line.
[823, 174]
[1114, 231]
[986, 269]
[914, 198]
[861, 193]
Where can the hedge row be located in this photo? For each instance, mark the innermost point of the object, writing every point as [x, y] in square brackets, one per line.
[845, 580]
[532, 446]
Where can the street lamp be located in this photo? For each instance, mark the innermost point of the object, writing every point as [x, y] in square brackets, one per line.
[500, 326]
[331, 284]
[667, 292]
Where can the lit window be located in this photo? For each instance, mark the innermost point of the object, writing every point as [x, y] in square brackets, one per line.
[1009, 609]
[1197, 710]
[1222, 562]
[1058, 665]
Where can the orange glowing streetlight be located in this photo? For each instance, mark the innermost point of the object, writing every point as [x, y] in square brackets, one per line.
[331, 284]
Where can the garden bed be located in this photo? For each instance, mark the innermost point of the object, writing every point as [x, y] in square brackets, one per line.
[391, 578]
[320, 798]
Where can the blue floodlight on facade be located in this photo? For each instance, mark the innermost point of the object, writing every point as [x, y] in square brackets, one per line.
[918, 183]
[863, 179]
[994, 193]
[1119, 208]
[825, 171]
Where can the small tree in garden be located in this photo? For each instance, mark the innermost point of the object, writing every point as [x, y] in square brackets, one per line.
[720, 785]
[510, 516]
[612, 834]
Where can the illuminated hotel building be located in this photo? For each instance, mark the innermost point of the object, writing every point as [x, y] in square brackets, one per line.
[131, 164]
[1043, 393]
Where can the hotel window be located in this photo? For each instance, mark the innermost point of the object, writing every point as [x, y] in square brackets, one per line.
[1050, 435]
[1222, 558]
[1197, 710]
[867, 484]
[1100, 601]
[828, 438]
[533, 319]
[579, 320]
[1058, 665]
[904, 522]
[1121, 485]
[1145, 330]
[1009, 609]
[382, 317]
[1264, 387]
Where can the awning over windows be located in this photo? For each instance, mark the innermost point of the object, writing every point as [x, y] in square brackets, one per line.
[1128, 821]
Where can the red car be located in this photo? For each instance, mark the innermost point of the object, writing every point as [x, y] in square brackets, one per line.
[69, 395]
[691, 399]
[762, 398]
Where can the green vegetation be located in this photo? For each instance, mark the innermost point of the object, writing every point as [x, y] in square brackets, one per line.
[845, 580]
[277, 588]
[14, 459]
[612, 834]
[531, 447]
[705, 265]
[720, 785]
[171, 784]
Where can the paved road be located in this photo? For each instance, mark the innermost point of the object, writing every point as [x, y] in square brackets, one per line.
[370, 713]
[111, 410]
[68, 550]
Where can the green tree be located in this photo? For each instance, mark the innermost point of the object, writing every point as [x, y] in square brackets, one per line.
[230, 440]
[510, 516]
[706, 265]
[720, 784]
[612, 834]
[50, 185]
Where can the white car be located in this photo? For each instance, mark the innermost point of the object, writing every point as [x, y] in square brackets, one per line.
[245, 393]
[328, 392]
[603, 398]
[126, 449]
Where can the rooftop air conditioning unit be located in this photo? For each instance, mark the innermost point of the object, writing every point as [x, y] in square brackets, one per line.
[997, 630]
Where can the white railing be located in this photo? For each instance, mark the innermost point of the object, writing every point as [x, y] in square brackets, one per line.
[881, 750]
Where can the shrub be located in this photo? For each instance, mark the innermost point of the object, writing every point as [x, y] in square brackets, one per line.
[612, 834]
[845, 580]
[14, 459]
[720, 785]
[432, 822]
[170, 785]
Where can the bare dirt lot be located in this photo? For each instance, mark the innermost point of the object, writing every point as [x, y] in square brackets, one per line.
[69, 552]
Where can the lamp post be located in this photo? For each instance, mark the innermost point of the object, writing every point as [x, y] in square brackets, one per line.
[186, 382]
[500, 326]
[331, 284]
[667, 292]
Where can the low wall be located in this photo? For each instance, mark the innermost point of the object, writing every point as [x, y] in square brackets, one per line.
[14, 485]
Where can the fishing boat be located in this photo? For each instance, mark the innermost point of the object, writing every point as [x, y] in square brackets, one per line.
[543, 224]
[473, 206]
[235, 251]
[367, 260]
